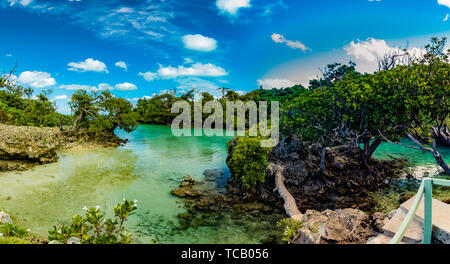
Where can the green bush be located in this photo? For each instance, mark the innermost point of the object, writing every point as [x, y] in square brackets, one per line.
[94, 228]
[249, 160]
[290, 228]
[9, 230]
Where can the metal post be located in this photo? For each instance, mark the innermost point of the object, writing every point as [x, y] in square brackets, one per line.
[427, 223]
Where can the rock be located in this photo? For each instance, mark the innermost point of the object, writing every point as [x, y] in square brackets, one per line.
[204, 203]
[73, 240]
[185, 191]
[334, 227]
[379, 219]
[188, 178]
[5, 218]
[405, 197]
[216, 176]
[28, 143]
[446, 200]
[55, 242]
[392, 213]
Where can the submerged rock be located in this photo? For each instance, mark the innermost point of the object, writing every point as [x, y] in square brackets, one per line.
[185, 189]
[333, 227]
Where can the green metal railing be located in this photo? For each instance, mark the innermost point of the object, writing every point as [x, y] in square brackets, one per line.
[425, 190]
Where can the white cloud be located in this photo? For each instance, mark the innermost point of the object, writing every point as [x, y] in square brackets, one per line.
[125, 86]
[125, 10]
[121, 64]
[150, 26]
[231, 7]
[200, 86]
[88, 65]
[22, 2]
[269, 84]
[278, 38]
[148, 76]
[444, 3]
[100, 87]
[8, 55]
[36, 79]
[61, 97]
[446, 18]
[196, 69]
[369, 51]
[372, 49]
[199, 43]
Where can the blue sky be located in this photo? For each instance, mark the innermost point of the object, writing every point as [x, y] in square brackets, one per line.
[139, 48]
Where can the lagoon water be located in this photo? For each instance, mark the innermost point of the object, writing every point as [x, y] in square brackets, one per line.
[147, 168]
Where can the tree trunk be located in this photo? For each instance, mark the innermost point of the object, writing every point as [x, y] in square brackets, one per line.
[442, 135]
[440, 161]
[437, 156]
[74, 127]
[369, 149]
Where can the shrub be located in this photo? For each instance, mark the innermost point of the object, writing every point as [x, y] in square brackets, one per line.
[9, 230]
[290, 228]
[94, 228]
[249, 160]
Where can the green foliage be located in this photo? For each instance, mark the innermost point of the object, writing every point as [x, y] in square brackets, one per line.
[102, 113]
[290, 228]
[24, 111]
[249, 160]
[9, 230]
[13, 240]
[156, 110]
[94, 228]
[332, 74]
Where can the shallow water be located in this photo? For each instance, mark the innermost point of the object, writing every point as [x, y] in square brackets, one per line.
[420, 165]
[147, 169]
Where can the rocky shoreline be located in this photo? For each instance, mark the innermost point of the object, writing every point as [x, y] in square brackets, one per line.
[23, 147]
[335, 204]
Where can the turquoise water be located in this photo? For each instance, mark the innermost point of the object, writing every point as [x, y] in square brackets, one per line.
[421, 163]
[147, 168]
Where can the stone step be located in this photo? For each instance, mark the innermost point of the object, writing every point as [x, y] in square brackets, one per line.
[413, 234]
[440, 218]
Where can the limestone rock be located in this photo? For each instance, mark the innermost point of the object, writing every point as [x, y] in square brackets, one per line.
[22, 143]
[379, 220]
[5, 218]
[333, 227]
[73, 240]
[185, 191]
[55, 242]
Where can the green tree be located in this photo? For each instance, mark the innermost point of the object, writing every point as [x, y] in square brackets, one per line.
[102, 113]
